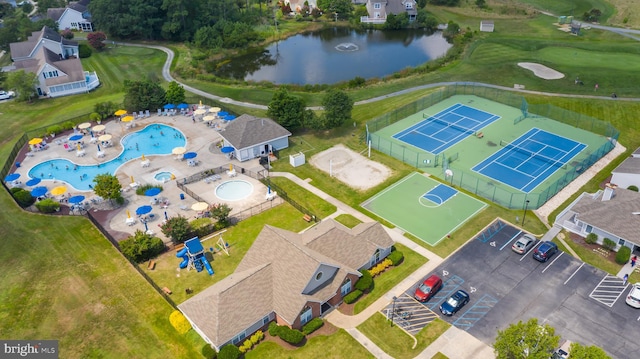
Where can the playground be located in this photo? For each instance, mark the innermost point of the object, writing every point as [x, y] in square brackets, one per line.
[424, 207]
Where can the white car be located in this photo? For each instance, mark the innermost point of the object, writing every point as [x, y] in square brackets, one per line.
[633, 299]
[5, 95]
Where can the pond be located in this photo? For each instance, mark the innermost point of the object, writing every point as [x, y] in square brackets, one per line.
[334, 55]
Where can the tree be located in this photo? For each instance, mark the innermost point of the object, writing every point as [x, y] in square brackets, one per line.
[175, 93]
[396, 22]
[44, 5]
[287, 110]
[526, 340]
[337, 108]
[96, 40]
[141, 246]
[143, 95]
[23, 84]
[220, 212]
[104, 109]
[579, 351]
[108, 187]
[177, 228]
[67, 34]
[481, 3]
[421, 4]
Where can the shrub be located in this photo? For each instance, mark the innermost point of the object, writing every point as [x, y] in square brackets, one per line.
[608, 244]
[208, 352]
[274, 329]
[257, 337]
[179, 322]
[290, 336]
[633, 188]
[246, 346]
[229, 351]
[365, 282]
[396, 257]
[177, 228]
[22, 196]
[67, 34]
[84, 51]
[55, 129]
[313, 325]
[48, 206]
[141, 247]
[352, 297]
[380, 267]
[623, 255]
[591, 238]
[142, 189]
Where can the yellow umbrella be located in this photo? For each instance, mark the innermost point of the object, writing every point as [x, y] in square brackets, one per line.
[121, 112]
[214, 109]
[178, 150]
[35, 141]
[208, 118]
[131, 179]
[84, 125]
[128, 214]
[200, 105]
[199, 206]
[230, 167]
[201, 111]
[104, 138]
[78, 146]
[99, 128]
[59, 190]
[143, 156]
[127, 118]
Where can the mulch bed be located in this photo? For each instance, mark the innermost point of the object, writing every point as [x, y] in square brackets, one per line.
[579, 240]
[326, 329]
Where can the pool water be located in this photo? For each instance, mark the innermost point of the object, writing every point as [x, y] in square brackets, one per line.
[234, 190]
[163, 177]
[155, 139]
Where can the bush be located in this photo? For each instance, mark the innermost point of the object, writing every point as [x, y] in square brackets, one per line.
[229, 351]
[608, 244]
[633, 188]
[592, 238]
[290, 336]
[257, 337]
[380, 267]
[141, 247]
[48, 206]
[352, 297]
[246, 346]
[22, 196]
[208, 352]
[313, 325]
[395, 257]
[365, 282]
[84, 51]
[55, 129]
[274, 329]
[179, 322]
[623, 255]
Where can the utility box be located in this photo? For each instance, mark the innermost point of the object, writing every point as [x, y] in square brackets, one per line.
[297, 159]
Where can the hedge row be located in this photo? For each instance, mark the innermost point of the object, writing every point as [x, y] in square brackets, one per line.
[352, 297]
[285, 333]
[313, 325]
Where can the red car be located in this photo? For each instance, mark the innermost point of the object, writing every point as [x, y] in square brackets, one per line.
[428, 288]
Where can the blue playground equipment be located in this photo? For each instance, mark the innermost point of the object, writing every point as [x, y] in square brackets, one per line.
[193, 256]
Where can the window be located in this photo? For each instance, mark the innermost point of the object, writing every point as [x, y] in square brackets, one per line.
[265, 320]
[306, 315]
[240, 337]
[589, 228]
[346, 287]
[408, 6]
[377, 6]
[319, 275]
[621, 242]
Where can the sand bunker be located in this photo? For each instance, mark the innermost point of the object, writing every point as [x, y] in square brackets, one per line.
[542, 71]
[350, 167]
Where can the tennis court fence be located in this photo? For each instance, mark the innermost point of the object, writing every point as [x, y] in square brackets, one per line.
[472, 181]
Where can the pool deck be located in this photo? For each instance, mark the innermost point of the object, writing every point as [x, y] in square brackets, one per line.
[200, 139]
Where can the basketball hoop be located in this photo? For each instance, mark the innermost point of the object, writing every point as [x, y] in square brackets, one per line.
[448, 172]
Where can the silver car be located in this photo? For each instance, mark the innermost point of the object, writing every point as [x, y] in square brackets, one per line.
[524, 243]
[633, 299]
[4, 95]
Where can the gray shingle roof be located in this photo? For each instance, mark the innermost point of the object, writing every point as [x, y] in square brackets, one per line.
[615, 215]
[630, 165]
[248, 131]
[24, 48]
[55, 13]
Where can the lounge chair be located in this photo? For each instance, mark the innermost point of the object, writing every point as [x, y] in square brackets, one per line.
[147, 113]
[159, 112]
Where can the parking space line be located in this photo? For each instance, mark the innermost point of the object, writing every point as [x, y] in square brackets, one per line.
[476, 312]
[449, 286]
[574, 273]
[512, 238]
[609, 290]
[553, 261]
[533, 247]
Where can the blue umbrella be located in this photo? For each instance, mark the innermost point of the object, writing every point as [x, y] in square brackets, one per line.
[227, 149]
[169, 106]
[183, 105]
[14, 176]
[189, 155]
[39, 191]
[146, 228]
[98, 147]
[76, 199]
[166, 217]
[143, 210]
[229, 117]
[223, 113]
[75, 137]
[153, 191]
[33, 182]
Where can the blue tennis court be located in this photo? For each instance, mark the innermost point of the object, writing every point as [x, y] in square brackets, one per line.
[530, 159]
[440, 194]
[446, 128]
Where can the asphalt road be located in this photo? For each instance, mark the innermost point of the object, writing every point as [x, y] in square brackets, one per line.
[582, 303]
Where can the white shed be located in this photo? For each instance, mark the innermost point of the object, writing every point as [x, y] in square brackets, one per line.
[297, 160]
[486, 26]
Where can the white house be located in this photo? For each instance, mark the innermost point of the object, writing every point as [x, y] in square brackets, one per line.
[56, 63]
[378, 10]
[75, 16]
[628, 172]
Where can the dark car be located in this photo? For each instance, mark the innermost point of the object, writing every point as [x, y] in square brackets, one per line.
[545, 251]
[428, 288]
[523, 244]
[453, 304]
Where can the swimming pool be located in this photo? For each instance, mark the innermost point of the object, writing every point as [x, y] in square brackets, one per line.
[164, 176]
[155, 139]
[234, 190]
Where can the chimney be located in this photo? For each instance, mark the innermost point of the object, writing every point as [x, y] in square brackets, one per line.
[609, 191]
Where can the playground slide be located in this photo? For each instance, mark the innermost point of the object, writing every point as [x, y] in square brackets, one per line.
[185, 259]
[207, 265]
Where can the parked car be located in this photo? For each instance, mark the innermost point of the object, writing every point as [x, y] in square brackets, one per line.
[545, 251]
[428, 288]
[5, 95]
[454, 303]
[563, 351]
[524, 243]
[633, 299]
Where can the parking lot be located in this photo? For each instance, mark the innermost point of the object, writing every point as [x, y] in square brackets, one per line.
[583, 303]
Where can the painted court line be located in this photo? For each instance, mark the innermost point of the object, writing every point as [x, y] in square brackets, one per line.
[512, 238]
[574, 273]
[553, 261]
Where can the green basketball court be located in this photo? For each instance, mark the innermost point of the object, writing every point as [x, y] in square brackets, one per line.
[413, 205]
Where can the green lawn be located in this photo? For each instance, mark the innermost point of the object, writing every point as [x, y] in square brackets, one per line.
[348, 220]
[389, 279]
[395, 341]
[306, 199]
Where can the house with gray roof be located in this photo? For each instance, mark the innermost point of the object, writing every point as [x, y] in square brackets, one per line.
[55, 62]
[628, 172]
[75, 16]
[378, 10]
[253, 137]
[613, 213]
[287, 277]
